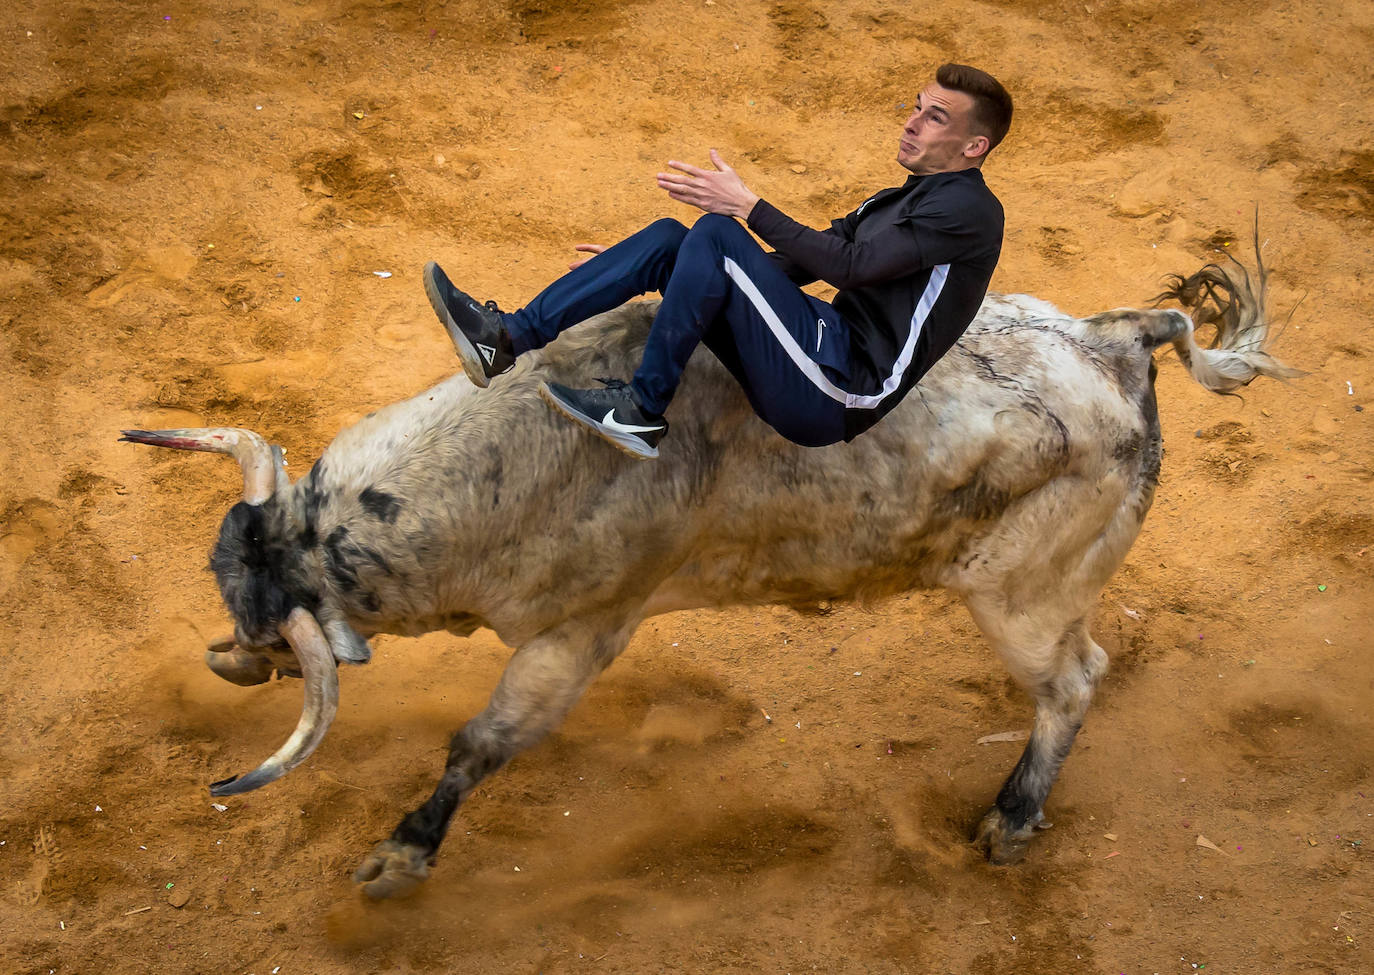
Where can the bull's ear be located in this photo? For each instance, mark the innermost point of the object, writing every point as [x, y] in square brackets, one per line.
[346, 643]
[279, 468]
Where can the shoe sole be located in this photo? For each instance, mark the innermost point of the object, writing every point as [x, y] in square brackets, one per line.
[468, 355]
[633, 446]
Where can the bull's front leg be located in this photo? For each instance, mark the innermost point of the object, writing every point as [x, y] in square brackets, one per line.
[541, 683]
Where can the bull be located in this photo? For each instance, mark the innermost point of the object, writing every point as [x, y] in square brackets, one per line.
[1017, 476]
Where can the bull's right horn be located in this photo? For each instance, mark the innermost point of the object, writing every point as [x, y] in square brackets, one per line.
[321, 681]
[263, 469]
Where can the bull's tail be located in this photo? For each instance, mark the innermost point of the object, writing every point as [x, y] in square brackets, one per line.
[1230, 301]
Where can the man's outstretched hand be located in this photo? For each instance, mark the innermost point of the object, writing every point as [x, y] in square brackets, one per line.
[715, 191]
[718, 190]
[592, 249]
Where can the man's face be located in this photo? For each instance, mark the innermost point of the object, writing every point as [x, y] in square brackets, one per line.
[939, 136]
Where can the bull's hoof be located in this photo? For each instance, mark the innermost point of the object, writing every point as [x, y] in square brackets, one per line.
[392, 869]
[1004, 844]
[240, 667]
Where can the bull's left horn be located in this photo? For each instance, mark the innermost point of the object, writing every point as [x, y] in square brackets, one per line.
[262, 465]
[321, 681]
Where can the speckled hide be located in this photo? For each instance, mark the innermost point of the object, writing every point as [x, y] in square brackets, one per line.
[1024, 461]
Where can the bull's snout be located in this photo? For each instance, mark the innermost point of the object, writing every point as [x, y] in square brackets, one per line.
[240, 667]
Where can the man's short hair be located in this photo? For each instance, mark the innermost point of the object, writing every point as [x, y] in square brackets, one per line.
[991, 103]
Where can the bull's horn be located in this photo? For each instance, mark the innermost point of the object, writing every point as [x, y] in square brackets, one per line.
[262, 466]
[321, 681]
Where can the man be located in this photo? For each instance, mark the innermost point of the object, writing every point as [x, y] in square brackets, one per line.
[911, 266]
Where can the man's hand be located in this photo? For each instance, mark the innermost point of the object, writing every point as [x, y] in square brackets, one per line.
[715, 191]
[592, 249]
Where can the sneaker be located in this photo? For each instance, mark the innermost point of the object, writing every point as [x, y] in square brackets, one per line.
[613, 412]
[482, 342]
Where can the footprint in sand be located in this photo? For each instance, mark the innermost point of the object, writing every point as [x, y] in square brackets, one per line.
[31, 525]
[157, 267]
[407, 325]
[47, 858]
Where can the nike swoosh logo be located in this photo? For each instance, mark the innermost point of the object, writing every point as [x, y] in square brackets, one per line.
[611, 423]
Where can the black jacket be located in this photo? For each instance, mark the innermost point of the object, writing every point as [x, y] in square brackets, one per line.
[912, 265]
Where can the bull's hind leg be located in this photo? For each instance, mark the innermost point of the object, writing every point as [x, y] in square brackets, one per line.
[1060, 671]
[541, 683]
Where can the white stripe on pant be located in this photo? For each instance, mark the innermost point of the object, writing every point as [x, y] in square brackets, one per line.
[810, 369]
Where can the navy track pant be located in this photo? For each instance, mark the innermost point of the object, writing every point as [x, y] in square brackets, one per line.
[788, 350]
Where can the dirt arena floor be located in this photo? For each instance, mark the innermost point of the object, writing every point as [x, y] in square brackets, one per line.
[197, 200]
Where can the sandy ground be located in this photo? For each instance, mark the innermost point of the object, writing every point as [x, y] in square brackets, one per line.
[196, 198]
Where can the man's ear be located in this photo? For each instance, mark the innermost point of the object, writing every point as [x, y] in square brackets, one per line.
[977, 147]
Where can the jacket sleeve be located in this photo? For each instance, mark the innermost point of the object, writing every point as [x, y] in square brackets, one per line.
[833, 255]
[797, 274]
[936, 230]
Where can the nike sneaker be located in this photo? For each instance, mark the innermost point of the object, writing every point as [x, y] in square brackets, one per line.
[613, 412]
[481, 340]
